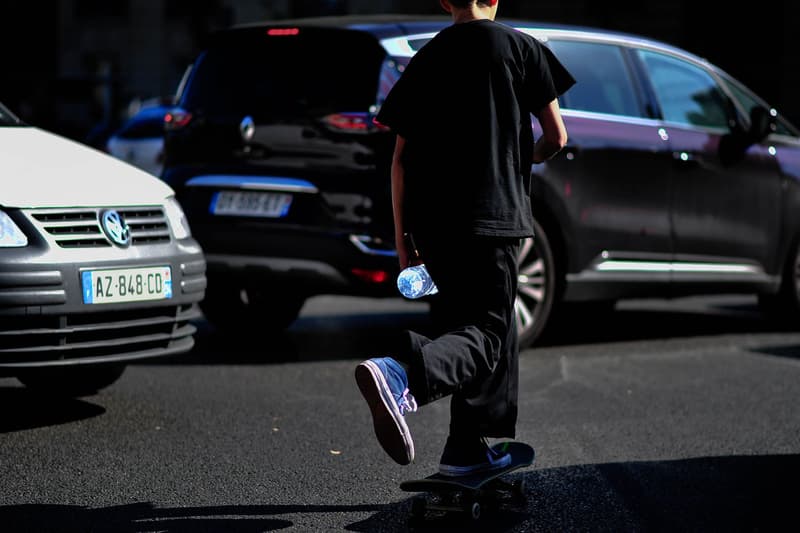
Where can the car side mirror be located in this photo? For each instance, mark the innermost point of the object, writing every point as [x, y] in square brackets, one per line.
[762, 124]
[734, 145]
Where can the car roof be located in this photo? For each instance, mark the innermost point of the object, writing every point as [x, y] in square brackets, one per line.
[384, 26]
[155, 112]
[381, 26]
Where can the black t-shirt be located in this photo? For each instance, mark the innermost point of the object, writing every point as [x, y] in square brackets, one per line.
[464, 106]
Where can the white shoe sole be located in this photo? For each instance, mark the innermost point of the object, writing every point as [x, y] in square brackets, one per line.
[390, 426]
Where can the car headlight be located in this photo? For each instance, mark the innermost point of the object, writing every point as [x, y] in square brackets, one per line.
[10, 234]
[177, 219]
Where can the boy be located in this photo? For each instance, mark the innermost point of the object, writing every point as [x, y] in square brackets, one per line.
[460, 185]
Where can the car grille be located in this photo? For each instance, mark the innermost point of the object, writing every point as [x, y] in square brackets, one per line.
[80, 228]
[117, 335]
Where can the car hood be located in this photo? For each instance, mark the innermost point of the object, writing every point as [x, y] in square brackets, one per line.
[42, 169]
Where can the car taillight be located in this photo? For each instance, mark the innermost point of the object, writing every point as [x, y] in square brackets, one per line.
[351, 122]
[175, 120]
[283, 32]
[371, 276]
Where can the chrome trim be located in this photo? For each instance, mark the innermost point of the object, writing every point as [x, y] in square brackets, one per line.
[638, 121]
[626, 40]
[692, 127]
[247, 128]
[613, 265]
[115, 228]
[261, 183]
[82, 228]
[360, 242]
[398, 46]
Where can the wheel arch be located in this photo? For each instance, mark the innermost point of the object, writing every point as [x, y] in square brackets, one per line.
[549, 213]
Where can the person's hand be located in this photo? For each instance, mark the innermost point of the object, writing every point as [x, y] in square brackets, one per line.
[402, 254]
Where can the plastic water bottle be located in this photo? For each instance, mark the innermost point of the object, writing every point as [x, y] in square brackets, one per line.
[414, 281]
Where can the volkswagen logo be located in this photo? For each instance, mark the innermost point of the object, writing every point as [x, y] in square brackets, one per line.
[115, 228]
[247, 128]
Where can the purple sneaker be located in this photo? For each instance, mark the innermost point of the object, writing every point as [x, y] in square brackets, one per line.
[384, 385]
[462, 457]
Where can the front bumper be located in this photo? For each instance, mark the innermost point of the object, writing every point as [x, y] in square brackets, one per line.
[45, 322]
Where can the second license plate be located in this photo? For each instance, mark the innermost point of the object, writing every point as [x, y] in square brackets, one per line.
[251, 204]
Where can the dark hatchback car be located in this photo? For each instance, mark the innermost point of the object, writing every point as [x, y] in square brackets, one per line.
[677, 179]
[140, 139]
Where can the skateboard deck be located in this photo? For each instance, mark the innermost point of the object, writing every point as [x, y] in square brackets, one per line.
[470, 493]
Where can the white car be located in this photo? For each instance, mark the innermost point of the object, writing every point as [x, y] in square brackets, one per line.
[97, 264]
[140, 140]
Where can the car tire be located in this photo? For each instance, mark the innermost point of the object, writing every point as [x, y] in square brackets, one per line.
[536, 287]
[247, 311]
[536, 290]
[783, 307]
[81, 380]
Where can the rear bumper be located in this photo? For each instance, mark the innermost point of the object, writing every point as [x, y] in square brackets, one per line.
[307, 263]
[333, 238]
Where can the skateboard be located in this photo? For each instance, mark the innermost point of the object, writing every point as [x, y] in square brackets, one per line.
[470, 494]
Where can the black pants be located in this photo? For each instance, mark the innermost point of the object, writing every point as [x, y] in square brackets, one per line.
[473, 355]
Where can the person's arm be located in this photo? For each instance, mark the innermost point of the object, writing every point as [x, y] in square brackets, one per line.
[554, 133]
[398, 198]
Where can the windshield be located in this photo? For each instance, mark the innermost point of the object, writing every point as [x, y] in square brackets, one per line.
[312, 72]
[7, 118]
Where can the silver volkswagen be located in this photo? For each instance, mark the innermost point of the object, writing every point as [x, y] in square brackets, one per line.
[98, 267]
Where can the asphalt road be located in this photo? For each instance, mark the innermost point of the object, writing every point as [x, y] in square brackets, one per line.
[660, 416]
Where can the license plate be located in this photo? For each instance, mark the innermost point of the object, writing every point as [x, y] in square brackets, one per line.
[126, 285]
[251, 204]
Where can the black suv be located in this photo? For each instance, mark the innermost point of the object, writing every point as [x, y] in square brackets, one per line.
[281, 170]
[677, 179]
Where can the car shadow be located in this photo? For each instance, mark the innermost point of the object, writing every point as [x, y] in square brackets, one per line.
[361, 334]
[732, 494]
[41, 410]
[313, 338]
[647, 319]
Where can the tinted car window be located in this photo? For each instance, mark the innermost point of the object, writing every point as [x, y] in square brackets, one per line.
[416, 43]
[391, 71]
[271, 76]
[604, 82]
[686, 93]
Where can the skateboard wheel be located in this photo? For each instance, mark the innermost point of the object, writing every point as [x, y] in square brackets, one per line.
[519, 488]
[418, 507]
[474, 510]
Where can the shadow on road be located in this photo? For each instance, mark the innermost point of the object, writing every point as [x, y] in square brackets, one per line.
[315, 338]
[41, 410]
[642, 320]
[147, 517]
[732, 494]
[788, 352]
